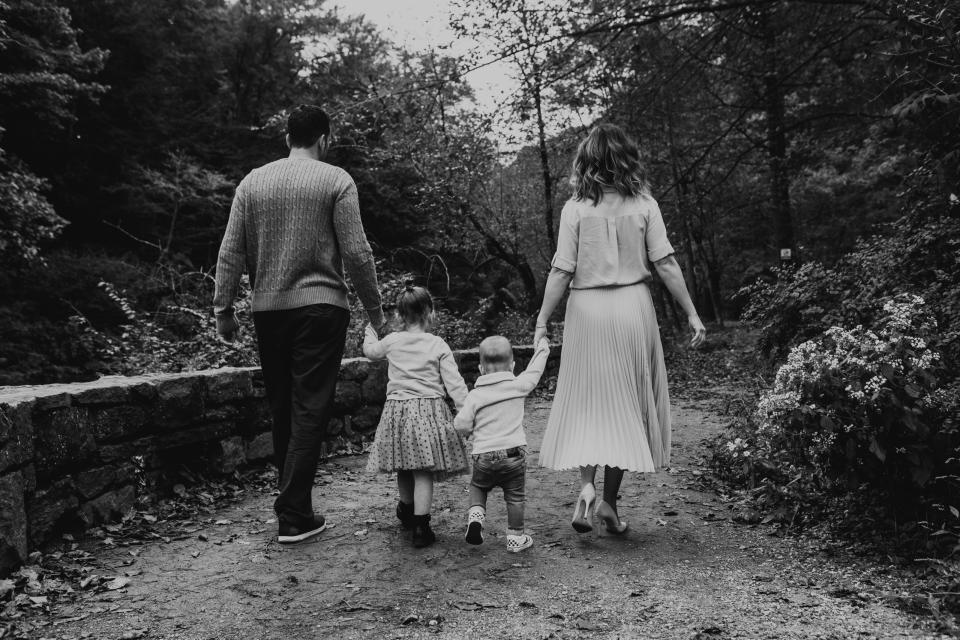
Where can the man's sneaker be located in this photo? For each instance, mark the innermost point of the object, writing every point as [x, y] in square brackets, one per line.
[515, 544]
[292, 533]
[475, 520]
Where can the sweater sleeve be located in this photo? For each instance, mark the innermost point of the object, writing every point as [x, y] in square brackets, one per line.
[373, 347]
[232, 256]
[466, 418]
[531, 376]
[450, 374]
[356, 252]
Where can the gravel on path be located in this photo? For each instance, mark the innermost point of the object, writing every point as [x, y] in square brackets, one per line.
[684, 570]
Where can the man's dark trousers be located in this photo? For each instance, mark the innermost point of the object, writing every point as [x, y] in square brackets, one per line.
[300, 353]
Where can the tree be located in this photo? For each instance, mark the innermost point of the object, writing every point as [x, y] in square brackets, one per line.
[43, 75]
[27, 219]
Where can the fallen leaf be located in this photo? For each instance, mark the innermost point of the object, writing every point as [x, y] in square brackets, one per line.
[661, 522]
[86, 582]
[118, 583]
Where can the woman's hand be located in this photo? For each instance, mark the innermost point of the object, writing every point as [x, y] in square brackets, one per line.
[699, 331]
[540, 332]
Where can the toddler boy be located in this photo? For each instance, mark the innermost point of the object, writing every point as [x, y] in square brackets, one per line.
[493, 413]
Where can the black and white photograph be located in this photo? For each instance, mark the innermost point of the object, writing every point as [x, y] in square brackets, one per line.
[479, 319]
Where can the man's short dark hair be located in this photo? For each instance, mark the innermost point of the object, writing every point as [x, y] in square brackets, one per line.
[306, 124]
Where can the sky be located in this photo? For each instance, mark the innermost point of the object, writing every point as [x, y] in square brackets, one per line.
[420, 24]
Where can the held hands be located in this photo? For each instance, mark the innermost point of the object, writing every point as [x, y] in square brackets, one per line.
[228, 326]
[699, 331]
[540, 333]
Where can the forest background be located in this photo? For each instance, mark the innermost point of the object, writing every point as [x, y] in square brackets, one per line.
[767, 125]
[829, 129]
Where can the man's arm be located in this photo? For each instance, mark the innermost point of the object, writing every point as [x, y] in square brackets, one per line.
[531, 376]
[230, 265]
[356, 252]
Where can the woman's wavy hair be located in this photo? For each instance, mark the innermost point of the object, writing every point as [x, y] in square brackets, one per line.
[609, 158]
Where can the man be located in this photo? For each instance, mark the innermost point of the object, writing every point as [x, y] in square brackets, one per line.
[294, 224]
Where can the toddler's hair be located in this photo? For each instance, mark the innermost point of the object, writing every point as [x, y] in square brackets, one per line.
[414, 305]
[496, 353]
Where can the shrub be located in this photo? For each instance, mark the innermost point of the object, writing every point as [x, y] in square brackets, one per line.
[921, 253]
[860, 409]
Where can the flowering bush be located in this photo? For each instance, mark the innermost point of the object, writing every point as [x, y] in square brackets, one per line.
[921, 254]
[861, 407]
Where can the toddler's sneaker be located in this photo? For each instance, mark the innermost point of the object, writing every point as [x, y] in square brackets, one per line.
[475, 519]
[516, 544]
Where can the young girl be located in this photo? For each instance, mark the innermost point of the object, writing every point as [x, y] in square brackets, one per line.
[415, 437]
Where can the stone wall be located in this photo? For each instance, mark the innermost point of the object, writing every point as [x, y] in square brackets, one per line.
[76, 455]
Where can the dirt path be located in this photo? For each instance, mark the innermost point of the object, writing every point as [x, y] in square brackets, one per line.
[684, 570]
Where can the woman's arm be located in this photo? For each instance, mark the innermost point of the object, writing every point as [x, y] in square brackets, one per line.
[669, 271]
[557, 283]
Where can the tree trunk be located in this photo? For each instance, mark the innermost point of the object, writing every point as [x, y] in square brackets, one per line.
[544, 158]
[776, 139]
[515, 260]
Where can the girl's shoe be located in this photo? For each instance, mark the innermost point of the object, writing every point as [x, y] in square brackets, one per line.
[475, 520]
[581, 510]
[611, 521]
[423, 535]
[516, 544]
[405, 514]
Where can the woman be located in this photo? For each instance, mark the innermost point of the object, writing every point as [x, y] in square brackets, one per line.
[611, 407]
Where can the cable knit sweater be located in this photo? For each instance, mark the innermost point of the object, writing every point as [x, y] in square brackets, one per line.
[294, 225]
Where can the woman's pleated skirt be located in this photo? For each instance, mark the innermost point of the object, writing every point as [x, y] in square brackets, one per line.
[611, 405]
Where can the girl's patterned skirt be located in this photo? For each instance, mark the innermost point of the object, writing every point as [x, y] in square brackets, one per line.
[418, 434]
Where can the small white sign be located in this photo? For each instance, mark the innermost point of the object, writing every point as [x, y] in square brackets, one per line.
[786, 254]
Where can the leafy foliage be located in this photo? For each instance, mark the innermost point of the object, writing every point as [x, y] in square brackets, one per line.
[27, 219]
[920, 253]
[871, 411]
[866, 407]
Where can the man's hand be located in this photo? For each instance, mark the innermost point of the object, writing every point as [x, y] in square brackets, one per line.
[228, 326]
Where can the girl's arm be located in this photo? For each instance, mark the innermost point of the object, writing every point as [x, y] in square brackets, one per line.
[557, 283]
[373, 347]
[452, 380]
[466, 419]
[669, 271]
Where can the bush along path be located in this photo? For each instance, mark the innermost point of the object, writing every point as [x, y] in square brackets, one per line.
[205, 564]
